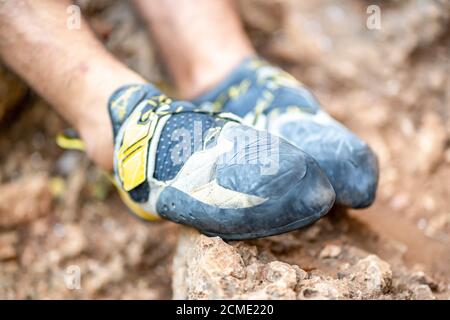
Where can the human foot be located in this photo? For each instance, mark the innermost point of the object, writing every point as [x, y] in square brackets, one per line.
[271, 99]
[209, 171]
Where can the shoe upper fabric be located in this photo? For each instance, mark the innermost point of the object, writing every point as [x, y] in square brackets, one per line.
[209, 171]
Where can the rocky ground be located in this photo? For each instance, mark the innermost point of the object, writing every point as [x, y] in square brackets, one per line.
[325, 261]
[59, 216]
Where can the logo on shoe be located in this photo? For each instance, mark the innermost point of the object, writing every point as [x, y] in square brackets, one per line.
[245, 146]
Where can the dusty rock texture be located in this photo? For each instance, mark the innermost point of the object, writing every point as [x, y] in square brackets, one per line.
[209, 268]
[24, 200]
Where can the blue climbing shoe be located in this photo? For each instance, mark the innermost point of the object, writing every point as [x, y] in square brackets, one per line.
[271, 99]
[209, 171]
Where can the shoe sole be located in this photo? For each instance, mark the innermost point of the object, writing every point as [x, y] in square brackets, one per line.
[272, 232]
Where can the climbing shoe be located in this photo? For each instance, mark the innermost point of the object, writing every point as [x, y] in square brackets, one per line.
[207, 170]
[270, 99]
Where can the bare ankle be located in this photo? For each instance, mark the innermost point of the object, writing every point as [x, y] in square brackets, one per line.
[96, 132]
[207, 72]
[201, 41]
[92, 118]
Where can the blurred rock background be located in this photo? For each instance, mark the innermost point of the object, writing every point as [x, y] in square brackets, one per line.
[58, 213]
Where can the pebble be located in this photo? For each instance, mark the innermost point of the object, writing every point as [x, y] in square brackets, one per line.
[330, 251]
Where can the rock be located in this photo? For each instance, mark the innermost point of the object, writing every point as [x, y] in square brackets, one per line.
[209, 268]
[68, 162]
[422, 292]
[319, 288]
[422, 278]
[70, 242]
[8, 242]
[201, 263]
[400, 201]
[24, 200]
[330, 251]
[431, 141]
[369, 277]
[282, 279]
[438, 227]
[100, 275]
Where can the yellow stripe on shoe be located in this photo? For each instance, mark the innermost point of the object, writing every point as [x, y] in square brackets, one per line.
[69, 143]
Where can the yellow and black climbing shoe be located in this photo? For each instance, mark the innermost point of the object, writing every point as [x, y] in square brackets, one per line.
[209, 171]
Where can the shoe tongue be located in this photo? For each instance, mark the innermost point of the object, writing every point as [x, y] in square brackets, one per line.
[244, 70]
[252, 86]
[125, 99]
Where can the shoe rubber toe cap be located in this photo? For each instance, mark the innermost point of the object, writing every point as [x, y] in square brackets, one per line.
[297, 195]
